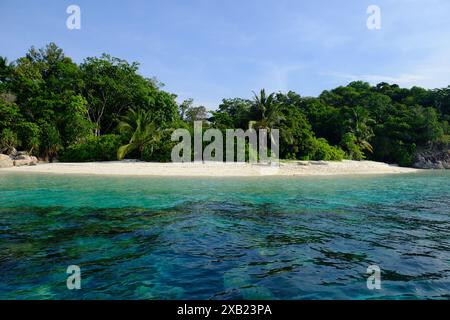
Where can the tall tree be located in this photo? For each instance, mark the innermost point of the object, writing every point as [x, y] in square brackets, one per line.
[110, 88]
[198, 113]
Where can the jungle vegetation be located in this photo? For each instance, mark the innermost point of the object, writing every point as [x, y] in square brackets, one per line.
[103, 109]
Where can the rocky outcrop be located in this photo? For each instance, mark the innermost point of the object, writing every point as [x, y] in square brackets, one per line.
[432, 159]
[17, 159]
[23, 159]
[10, 151]
[6, 161]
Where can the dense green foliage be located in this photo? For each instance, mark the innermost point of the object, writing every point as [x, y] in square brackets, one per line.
[103, 109]
[102, 148]
[142, 131]
[52, 107]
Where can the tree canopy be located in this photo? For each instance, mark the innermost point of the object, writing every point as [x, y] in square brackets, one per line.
[55, 108]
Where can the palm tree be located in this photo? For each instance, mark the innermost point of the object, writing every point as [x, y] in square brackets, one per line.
[359, 124]
[270, 113]
[269, 110]
[143, 131]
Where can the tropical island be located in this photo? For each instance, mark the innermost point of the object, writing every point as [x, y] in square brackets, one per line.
[103, 110]
[295, 151]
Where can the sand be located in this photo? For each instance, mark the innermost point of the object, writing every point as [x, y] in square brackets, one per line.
[291, 168]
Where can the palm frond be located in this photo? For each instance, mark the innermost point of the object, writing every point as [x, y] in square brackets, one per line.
[142, 130]
[124, 150]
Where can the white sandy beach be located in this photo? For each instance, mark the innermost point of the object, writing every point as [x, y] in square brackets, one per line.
[293, 168]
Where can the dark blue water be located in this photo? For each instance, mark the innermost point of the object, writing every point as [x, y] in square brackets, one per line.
[259, 238]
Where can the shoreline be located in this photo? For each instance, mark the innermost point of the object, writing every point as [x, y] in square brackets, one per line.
[215, 169]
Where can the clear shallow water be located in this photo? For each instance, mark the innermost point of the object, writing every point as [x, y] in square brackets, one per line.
[259, 238]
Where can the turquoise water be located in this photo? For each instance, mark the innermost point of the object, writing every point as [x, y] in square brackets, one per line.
[258, 238]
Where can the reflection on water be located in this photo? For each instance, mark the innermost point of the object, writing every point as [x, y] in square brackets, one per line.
[259, 238]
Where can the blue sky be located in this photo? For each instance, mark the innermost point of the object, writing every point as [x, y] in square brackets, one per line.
[209, 50]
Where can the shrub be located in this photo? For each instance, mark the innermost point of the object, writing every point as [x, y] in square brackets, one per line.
[321, 150]
[29, 135]
[444, 141]
[102, 148]
[404, 154]
[50, 141]
[8, 140]
[161, 150]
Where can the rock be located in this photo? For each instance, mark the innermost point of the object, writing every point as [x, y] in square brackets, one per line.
[5, 161]
[20, 163]
[17, 159]
[22, 155]
[34, 161]
[11, 152]
[432, 159]
[30, 161]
